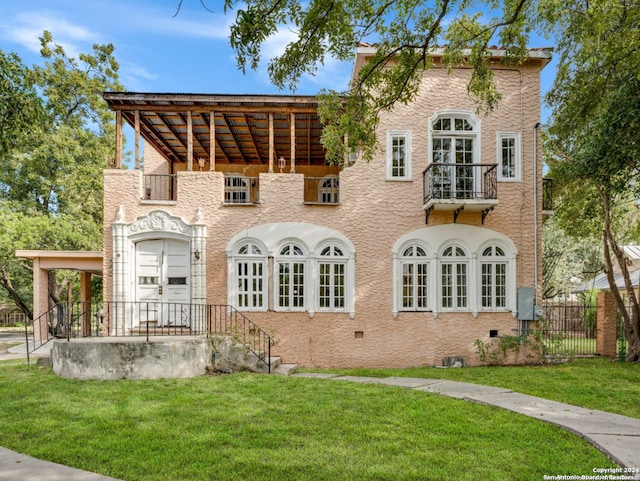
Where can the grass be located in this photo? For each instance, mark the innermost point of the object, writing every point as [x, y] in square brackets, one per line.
[260, 427]
[594, 383]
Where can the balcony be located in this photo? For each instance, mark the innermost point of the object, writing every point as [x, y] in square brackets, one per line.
[160, 187]
[456, 187]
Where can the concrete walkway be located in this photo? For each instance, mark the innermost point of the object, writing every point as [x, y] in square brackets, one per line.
[617, 436]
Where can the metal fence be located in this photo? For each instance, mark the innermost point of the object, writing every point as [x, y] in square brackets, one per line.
[569, 329]
[148, 319]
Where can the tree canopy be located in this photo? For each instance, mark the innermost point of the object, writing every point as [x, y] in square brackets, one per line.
[592, 150]
[56, 136]
[404, 33]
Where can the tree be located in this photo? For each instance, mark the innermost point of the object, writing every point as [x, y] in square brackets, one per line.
[404, 32]
[567, 261]
[52, 158]
[592, 149]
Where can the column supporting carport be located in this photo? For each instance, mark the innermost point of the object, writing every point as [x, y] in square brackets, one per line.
[87, 262]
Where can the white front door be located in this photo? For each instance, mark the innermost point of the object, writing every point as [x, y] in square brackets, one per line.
[162, 282]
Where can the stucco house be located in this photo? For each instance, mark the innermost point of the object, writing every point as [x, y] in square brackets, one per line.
[403, 261]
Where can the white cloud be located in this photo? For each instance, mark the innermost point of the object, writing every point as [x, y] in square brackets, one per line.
[133, 76]
[26, 28]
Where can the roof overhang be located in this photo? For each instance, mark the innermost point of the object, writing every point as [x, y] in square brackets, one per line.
[239, 127]
[86, 261]
[366, 51]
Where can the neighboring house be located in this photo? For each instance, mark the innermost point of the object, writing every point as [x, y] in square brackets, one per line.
[399, 262]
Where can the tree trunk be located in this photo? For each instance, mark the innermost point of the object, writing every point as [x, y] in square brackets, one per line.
[5, 282]
[630, 319]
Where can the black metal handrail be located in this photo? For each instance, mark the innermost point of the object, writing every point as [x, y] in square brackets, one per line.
[445, 181]
[227, 320]
[63, 320]
[149, 319]
[160, 187]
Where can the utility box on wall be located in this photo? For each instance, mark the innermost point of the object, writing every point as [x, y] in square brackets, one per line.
[528, 310]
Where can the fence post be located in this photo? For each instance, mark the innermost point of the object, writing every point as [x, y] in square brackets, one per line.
[606, 325]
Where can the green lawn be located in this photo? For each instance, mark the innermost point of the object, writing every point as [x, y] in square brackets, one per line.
[260, 427]
[594, 383]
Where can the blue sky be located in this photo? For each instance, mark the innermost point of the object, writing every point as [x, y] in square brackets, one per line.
[158, 52]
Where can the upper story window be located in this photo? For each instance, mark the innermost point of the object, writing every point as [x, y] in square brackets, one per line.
[236, 189]
[398, 155]
[291, 267]
[328, 191]
[455, 144]
[454, 138]
[509, 156]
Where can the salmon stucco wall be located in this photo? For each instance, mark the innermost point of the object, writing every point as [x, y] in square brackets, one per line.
[373, 214]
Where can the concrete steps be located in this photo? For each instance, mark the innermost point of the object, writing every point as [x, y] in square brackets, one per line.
[284, 369]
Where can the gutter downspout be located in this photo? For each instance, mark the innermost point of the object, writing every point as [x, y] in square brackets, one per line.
[535, 210]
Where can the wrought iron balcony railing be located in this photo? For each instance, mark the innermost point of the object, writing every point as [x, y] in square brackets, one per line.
[460, 182]
[160, 187]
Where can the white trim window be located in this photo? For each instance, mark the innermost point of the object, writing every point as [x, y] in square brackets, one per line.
[454, 278]
[236, 189]
[455, 147]
[509, 156]
[414, 267]
[332, 277]
[398, 155]
[493, 283]
[290, 271]
[251, 269]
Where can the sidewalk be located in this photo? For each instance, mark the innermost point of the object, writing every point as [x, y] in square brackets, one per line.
[19, 467]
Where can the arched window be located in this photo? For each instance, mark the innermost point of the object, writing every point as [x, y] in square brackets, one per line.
[251, 267]
[454, 148]
[291, 266]
[328, 192]
[414, 265]
[454, 278]
[332, 265]
[493, 271]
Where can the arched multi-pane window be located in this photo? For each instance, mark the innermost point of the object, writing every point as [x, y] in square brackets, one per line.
[454, 278]
[454, 148]
[328, 192]
[291, 266]
[493, 272]
[250, 267]
[332, 264]
[414, 265]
